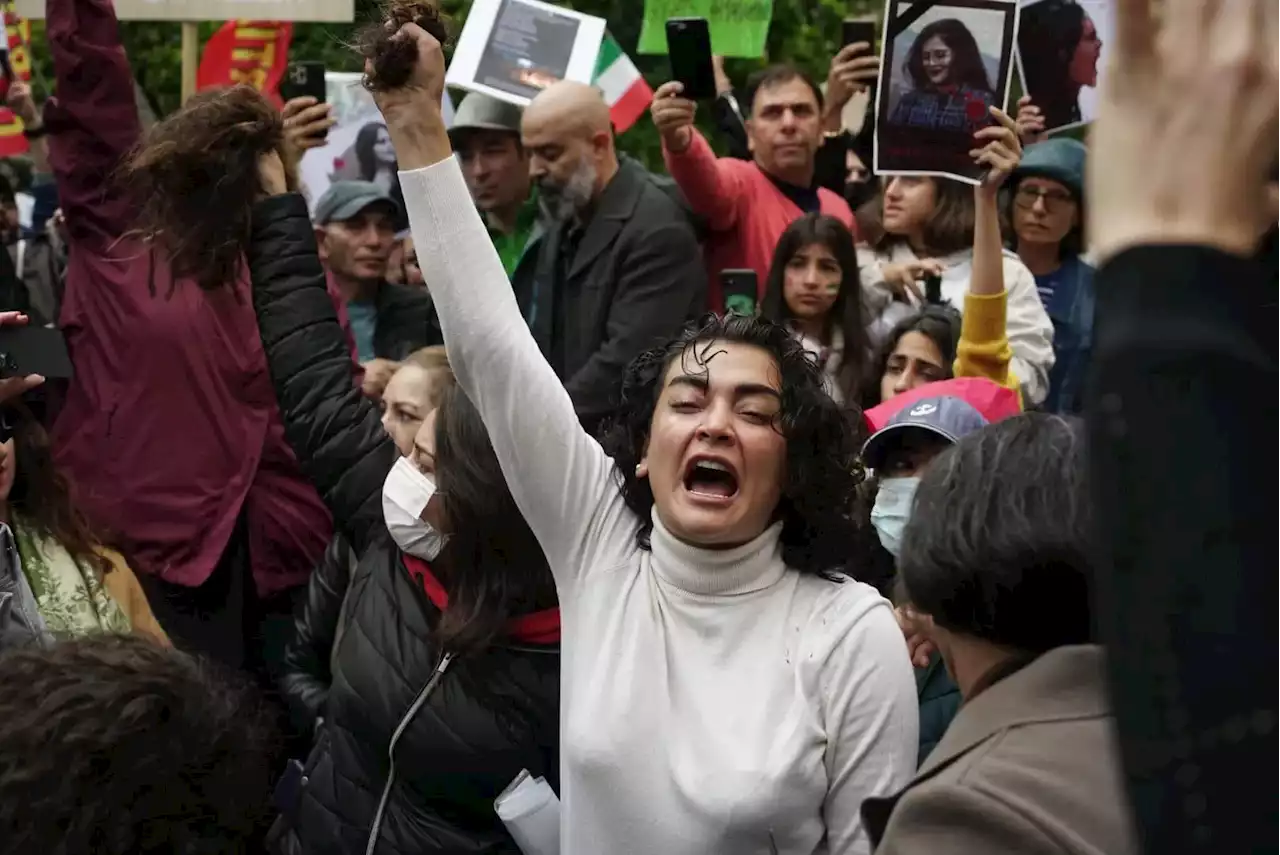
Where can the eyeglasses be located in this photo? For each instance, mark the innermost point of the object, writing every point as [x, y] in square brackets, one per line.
[1053, 199]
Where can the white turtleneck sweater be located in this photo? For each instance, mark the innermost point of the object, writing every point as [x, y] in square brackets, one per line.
[710, 700]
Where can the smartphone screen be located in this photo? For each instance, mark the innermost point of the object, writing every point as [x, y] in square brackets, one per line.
[854, 30]
[740, 288]
[302, 79]
[689, 48]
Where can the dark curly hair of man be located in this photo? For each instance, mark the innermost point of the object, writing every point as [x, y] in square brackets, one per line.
[823, 438]
[113, 745]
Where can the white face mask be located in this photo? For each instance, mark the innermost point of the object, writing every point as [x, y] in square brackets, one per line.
[892, 510]
[405, 495]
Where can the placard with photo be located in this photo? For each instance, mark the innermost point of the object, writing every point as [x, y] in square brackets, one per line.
[944, 66]
[1060, 57]
[513, 49]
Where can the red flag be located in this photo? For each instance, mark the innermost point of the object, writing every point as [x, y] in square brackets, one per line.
[17, 37]
[252, 52]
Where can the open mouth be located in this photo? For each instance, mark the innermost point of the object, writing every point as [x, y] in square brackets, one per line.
[711, 479]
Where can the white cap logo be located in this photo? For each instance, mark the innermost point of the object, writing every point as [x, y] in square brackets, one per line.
[923, 410]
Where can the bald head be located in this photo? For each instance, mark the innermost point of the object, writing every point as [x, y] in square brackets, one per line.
[569, 140]
[570, 104]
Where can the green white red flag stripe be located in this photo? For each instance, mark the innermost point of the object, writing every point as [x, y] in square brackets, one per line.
[625, 91]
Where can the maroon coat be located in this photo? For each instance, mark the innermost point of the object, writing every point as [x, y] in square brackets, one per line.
[170, 426]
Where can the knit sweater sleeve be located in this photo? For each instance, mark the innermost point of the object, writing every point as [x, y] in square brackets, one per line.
[560, 478]
[1029, 330]
[984, 349]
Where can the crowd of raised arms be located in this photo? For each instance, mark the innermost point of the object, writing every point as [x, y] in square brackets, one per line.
[957, 536]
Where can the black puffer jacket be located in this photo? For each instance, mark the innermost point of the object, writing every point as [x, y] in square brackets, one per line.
[458, 734]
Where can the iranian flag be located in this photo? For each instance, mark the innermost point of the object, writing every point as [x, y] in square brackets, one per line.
[625, 91]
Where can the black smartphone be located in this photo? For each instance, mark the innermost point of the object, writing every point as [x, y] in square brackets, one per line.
[33, 350]
[301, 79]
[854, 30]
[689, 49]
[933, 290]
[740, 288]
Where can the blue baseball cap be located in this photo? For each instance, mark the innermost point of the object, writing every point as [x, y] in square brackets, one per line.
[944, 415]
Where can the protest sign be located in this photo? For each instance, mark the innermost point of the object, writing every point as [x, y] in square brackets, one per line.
[738, 27]
[217, 10]
[1060, 61]
[358, 146]
[944, 66]
[513, 49]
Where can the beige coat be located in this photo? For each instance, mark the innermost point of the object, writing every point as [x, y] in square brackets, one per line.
[1029, 767]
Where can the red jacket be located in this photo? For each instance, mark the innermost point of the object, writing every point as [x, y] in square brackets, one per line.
[170, 426]
[744, 209]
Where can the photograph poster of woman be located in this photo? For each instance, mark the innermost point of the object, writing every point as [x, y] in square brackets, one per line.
[945, 65]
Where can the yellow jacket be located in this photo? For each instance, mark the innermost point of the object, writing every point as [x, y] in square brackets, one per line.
[984, 349]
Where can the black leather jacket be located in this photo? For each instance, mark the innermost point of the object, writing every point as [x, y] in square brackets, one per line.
[459, 729]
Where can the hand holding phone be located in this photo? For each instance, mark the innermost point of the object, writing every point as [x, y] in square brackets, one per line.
[28, 355]
[304, 79]
[689, 49]
[740, 289]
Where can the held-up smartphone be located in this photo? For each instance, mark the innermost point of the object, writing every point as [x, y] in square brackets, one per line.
[689, 49]
[854, 30]
[740, 288]
[33, 350]
[301, 79]
[933, 290]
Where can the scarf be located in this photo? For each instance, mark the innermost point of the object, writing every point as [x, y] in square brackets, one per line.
[537, 628]
[70, 595]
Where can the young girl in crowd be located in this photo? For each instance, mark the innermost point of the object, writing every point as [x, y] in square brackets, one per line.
[446, 669]
[412, 393]
[725, 691]
[79, 587]
[814, 289]
[937, 226]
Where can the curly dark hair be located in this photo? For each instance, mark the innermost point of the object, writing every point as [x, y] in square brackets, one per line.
[492, 565]
[392, 59]
[195, 175]
[846, 312]
[967, 68]
[117, 746]
[43, 496]
[823, 471]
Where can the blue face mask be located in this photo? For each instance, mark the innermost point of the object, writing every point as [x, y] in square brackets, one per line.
[892, 510]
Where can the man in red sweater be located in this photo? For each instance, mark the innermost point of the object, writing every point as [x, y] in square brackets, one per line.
[747, 205]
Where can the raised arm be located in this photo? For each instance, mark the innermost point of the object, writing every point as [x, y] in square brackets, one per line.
[92, 118]
[561, 479]
[713, 186]
[334, 430]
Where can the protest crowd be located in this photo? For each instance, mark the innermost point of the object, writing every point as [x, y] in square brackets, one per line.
[769, 502]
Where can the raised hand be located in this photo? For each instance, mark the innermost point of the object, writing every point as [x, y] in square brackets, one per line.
[1200, 87]
[673, 114]
[853, 69]
[306, 121]
[1030, 122]
[23, 103]
[999, 150]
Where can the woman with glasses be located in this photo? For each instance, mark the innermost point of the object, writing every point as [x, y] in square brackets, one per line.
[1047, 215]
